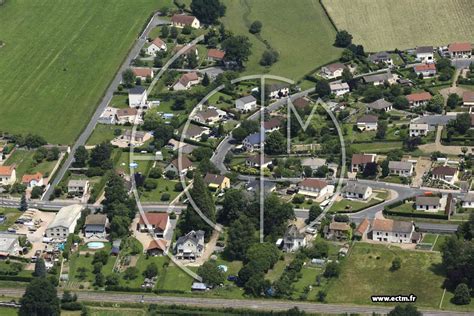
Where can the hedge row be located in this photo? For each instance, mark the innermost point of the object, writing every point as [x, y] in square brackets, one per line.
[387, 211]
[15, 278]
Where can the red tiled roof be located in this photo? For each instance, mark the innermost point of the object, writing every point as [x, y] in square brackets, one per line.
[142, 72]
[420, 96]
[6, 170]
[126, 112]
[460, 47]
[27, 178]
[185, 162]
[313, 183]
[215, 53]
[358, 159]
[158, 42]
[301, 102]
[160, 244]
[160, 220]
[335, 66]
[425, 67]
[188, 77]
[272, 123]
[362, 228]
[182, 19]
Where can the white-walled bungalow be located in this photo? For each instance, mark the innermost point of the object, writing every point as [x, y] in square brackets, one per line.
[380, 105]
[368, 122]
[418, 129]
[401, 168]
[427, 203]
[389, 230]
[425, 54]
[467, 201]
[339, 88]
[313, 188]
[246, 104]
[355, 190]
[155, 46]
[137, 96]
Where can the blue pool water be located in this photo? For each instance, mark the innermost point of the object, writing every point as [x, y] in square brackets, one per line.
[95, 245]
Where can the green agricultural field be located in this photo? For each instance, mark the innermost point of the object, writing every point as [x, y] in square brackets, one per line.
[366, 272]
[299, 30]
[390, 24]
[59, 56]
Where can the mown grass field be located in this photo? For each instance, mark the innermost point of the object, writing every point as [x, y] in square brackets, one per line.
[59, 57]
[390, 24]
[299, 30]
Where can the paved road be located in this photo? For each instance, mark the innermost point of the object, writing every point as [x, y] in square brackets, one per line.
[156, 20]
[228, 143]
[254, 304]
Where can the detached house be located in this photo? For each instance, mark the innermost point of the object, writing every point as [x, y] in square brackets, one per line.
[215, 55]
[156, 45]
[216, 181]
[273, 124]
[95, 226]
[332, 71]
[181, 20]
[394, 231]
[379, 79]
[78, 187]
[124, 116]
[157, 247]
[418, 129]
[380, 105]
[252, 142]
[467, 201]
[468, 98]
[186, 81]
[154, 223]
[195, 132]
[427, 203]
[109, 116]
[32, 180]
[255, 162]
[418, 99]
[425, 54]
[401, 168]
[188, 50]
[339, 88]
[143, 73]
[368, 123]
[278, 90]
[337, 231]
[7, 175]
[137, 97]
[359, 161]
[208, 116]
[445, 173]
[427, 70]
[190, 246]
[293, 239]
[313, 187]
[460, 50]
[355, 190]
[381, 58]
[246, 104]
[174, 166]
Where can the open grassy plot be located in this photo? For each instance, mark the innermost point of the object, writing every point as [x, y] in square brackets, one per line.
[366, 272]
[59, 57]
[11, 215]
[390, 24]
[23, 159]
[299, 30]
[163, 186]
[104, 133]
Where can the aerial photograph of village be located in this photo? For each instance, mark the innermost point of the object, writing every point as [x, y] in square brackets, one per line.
[236, 157]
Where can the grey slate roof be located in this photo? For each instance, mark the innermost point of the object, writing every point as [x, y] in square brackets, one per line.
[427, 200]
[375, 58]
[378, 77]
[136, 90]
[424, 49]
[194, 236]
[400, 165]
[355, 187]
[247, 99]
[380, 104]
[66, 216]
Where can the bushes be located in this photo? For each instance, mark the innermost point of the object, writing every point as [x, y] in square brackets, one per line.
[388, 211]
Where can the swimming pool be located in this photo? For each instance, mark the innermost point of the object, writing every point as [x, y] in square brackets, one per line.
[95, 245]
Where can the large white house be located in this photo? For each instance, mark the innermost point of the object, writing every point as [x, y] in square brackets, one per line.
[186, 81]
[190, 246]
[339, 88]
[246, 104]
[467, 201]
[389, 230]
[137, 96]
[427, 203]
[95, 226]
[314, 188]
[418, 129]
[32, 180]
[155, 46]
[368, 123]
[401, 168]
[460, 50]
[64, 222]
[293, 239]
[355, 190]
[333, 71]
[425, 54]
[7, 175]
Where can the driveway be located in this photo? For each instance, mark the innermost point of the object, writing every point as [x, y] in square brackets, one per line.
[448, 150]
[422, 166]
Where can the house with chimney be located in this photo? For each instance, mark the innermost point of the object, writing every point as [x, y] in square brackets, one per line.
[186, 81]
[155, 223]
[393, 231]
[155, 46]
[190, 246]
[418, 99]
[332, 71]
[359, 161]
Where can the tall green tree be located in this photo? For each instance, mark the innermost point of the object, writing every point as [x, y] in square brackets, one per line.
[211, 274]
[40, 268]
[276, 217]
[23, 203]
[80, 157]
[343, 39]
[40, 299]
[322, 88]
[241, 236]
[405, 310]
[208, 11]
[237, 49]
[128, 78]
[275, 143]
[190, 219]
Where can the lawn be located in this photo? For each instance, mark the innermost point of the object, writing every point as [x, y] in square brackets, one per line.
[299, 30]
[163, 186]
[122, 162]
[23, 159]
[429, 238]
[59, 57]
[11, 214]
[104, 133]
[376, 147]
[175, 279]
[8, 311]
[354, 206]
[366, 272]
[390, 24]
[76, 261]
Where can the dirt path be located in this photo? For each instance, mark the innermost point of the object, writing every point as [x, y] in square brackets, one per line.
[437, 146]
